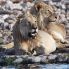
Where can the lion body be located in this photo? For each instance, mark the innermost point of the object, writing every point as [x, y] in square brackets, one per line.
[58, 32]
[23, 43]
[46, 43]
[46, 19]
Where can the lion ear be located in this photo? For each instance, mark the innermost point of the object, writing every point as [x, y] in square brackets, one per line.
[38, 6]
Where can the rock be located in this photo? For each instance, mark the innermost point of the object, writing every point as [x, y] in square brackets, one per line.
[10, 51]
[2, 2]
[0, 35]
[7, 33]
[16, 13]
[36, 59]
[16, 1]
[11, 19]
[43, 59]
[11, 27]
[27, 1]
[2, 52]
[16, 6]
[29, 5]
[67, 26]
[18, 60]
[2, 11]
[8, 46]
[6, 26]
[67, 32]
[1, 62]
[5, 16]
[51, 57]
[1, 40]
[8, 5]
[3, 68]
[61, 58]
[7, 38]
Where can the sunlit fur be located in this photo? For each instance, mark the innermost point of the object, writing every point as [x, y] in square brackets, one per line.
[58, 32]
[46, 43]
[44, 13]
[47, 21]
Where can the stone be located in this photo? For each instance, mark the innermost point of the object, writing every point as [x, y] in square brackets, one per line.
[5, 16]
[52, 57]
[61, 58]
[0, 35]
[9, 45]
[2, 2]
[27, 1]
[16, 1]
[16, 6]
[1, 40]
[43, 59]
[18, 60]
[36, 59]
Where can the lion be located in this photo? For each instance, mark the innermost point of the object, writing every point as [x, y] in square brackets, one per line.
[51, 40]
[47, 19]
[23, 32]
[44, 13]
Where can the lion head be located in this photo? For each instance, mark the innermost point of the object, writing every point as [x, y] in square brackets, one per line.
[28, 26]
[44, 12]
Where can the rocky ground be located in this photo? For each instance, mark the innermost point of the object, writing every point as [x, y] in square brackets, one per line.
[9, 11]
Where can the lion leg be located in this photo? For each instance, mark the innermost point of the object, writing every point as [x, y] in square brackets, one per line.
[58, 37]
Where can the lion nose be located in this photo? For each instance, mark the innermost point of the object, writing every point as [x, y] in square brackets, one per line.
[35, 30]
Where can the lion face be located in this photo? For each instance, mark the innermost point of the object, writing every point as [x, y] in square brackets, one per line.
[45, 9]
[28, 26]
[44, 13]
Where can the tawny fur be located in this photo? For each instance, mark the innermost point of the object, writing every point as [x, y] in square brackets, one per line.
[44, 14]
[49, 36]
[58, 32]
[46, 43]
[22, 33]
[46, 21]
[25, 43]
